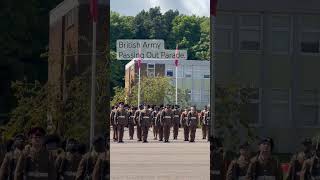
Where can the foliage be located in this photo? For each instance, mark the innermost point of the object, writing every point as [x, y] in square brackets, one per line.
[155, 90]
[70, 116]
[231, 119]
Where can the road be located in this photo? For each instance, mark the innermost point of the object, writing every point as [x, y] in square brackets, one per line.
[177, 160]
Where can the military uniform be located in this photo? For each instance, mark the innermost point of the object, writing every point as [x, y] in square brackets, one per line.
[311, 168]
[114, 126]
[121, 120]
[176, 122]
[217, 166]
[192, 124]
[67, 165]
[86, 165]
[136, 117]
[159, 125]
[264, 169]
[166, 122]
[9, 164]
[204, 119]
[183, 122]
[144, 122]
[131, 123]
[154, 124]
[101, 169]
[297, 161]
[238, 168]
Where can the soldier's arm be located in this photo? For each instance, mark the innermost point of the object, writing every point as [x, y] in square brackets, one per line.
[5, 167]
[19, 171]
[250, 172]
[97, 170]
[81, 168]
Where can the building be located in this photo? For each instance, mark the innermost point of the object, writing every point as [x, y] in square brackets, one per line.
[70, 45]
[193, 75]
[274, 46]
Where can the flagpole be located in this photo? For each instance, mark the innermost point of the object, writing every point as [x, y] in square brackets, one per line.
[93, 83]
[176, 84]
[139, 86]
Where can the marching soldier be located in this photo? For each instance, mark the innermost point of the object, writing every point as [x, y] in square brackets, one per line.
[101, 168]
[298, 159]
[153, 122]
[238, 168]
[158, 123]
[217, 169]
[11, 158]
[136, 117]
[193, 120]
[145, 121]
[68, 163]
[114, 126]
[176, 121]
[264, 165]
[121, 120]
[166, 122]
[204, 121]
[183, 122]
[89, 160]
[131, 121]
[36, 164]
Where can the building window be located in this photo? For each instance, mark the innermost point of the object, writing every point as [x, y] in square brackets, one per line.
[223, 32]
[188, 75]
[310, 35]
[170, 73]
[69, 18]
[151, 70]
[206, 76]
[281, 34]
[250, 32]
[309, 108]
[250, 111]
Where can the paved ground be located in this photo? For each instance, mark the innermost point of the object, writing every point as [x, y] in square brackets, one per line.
[177, 160]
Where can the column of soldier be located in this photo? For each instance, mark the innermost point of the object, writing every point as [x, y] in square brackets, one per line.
[43, 158]
[161, 119]
[304, 165]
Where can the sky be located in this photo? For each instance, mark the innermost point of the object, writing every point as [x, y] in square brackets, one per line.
[187, 7]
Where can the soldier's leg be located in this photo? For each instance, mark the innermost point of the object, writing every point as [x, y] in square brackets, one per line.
[194, 129]
[168, 132]
[139, 133]
[121, 133]
[185, 129]
[204, 132]
[188, 132]
[115, 132]
[118, 133]
[160, 128]
[175, 131]
[154, 131]
[130, 127]
[146, 129]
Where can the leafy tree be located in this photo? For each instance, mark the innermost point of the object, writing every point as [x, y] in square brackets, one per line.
[121, 27]
[155, 90]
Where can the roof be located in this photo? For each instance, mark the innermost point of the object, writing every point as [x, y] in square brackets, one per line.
[170, 62]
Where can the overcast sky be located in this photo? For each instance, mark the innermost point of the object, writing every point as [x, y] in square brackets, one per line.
[188, 7]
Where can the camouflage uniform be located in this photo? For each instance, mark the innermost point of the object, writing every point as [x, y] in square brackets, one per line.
[131, 123]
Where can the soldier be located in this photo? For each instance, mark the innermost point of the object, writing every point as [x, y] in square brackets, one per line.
[121, 120]
[11, 158]
[193, 120]
[52, 143]
[158, 123]
[298, 159]
[114, 126]
[264, 165]
[102, 166]
[166, 122]
[311, 167]
[176, 121]
[88, 161]
[131, 123]
[136, 117]
[217, 170]
[238, 168]
[68, 163]
[204, 121]
[145, 121]
[183, 122]
[36, 164]
[153, 122]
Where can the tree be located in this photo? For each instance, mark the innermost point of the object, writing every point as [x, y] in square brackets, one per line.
[231, 119]
[155, 90]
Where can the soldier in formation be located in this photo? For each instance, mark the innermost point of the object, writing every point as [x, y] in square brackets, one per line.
[176, 121]
[184, 124]
[131, 121]
[121, 120]
[154, 123]
[166, 118]
[159, 124]
[193, 120]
